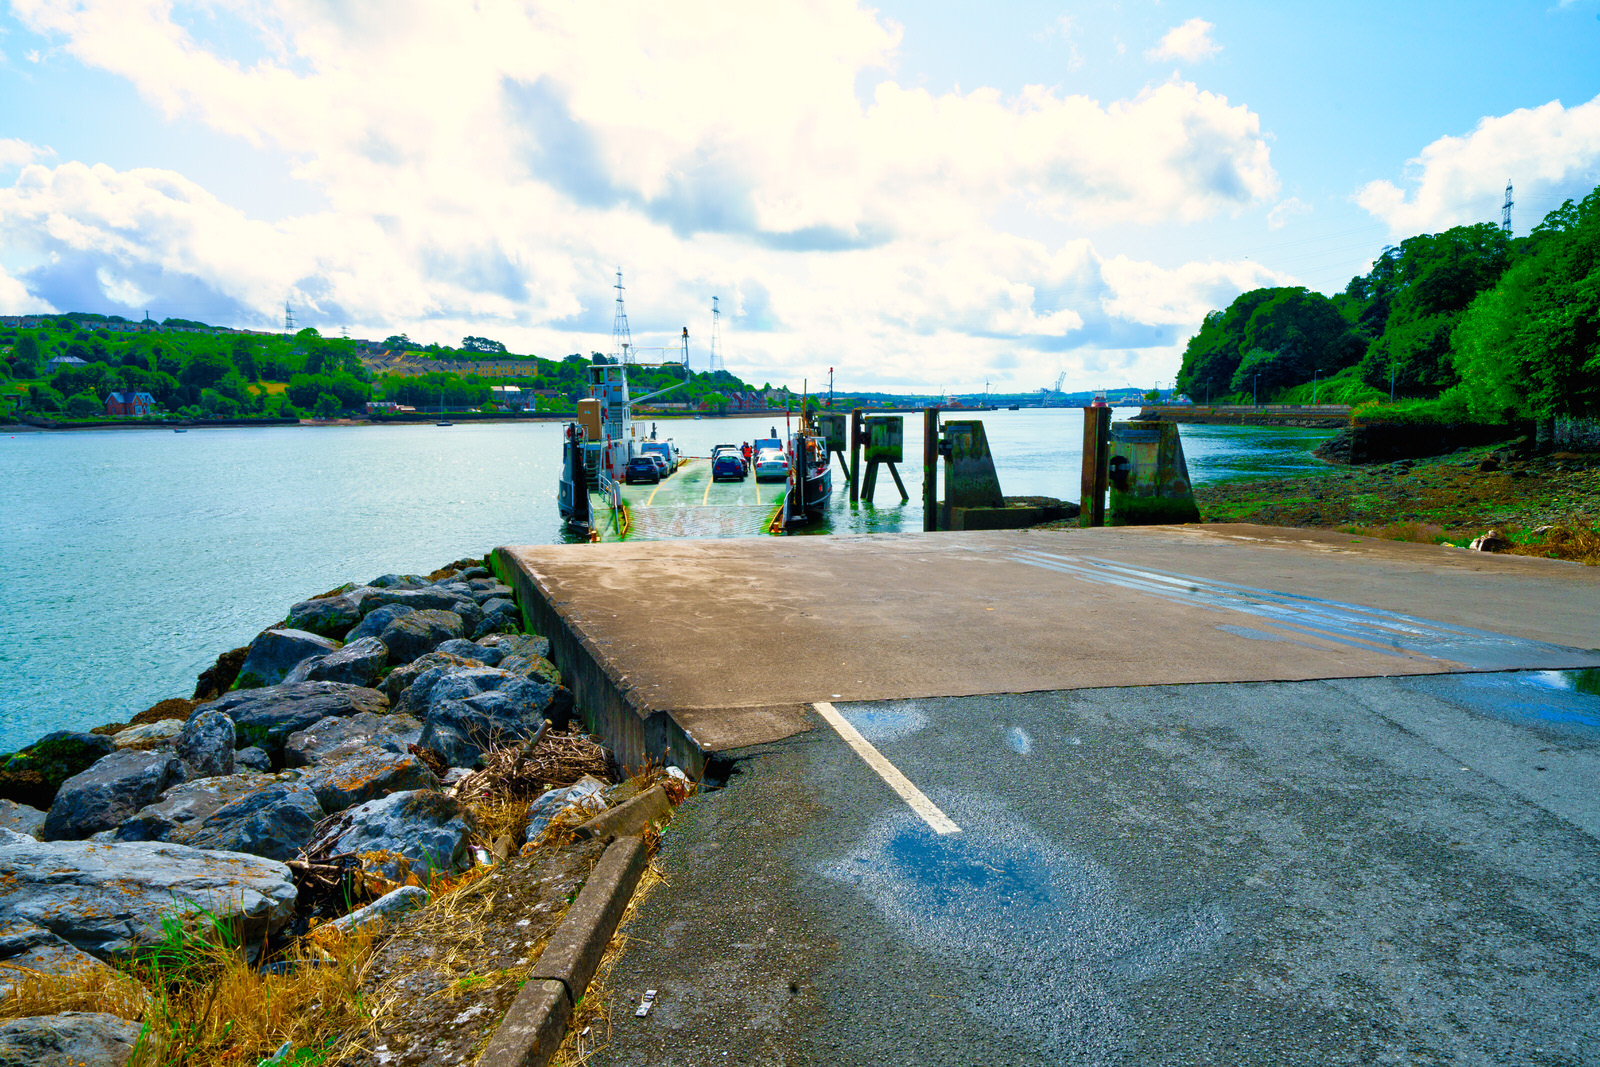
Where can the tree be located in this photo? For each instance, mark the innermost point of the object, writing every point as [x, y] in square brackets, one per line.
[204, 368]
[84, 406]
[1531, 345]
[398, 340]
[26, 357]
[326, 407]
[244, 358]
[481, 344]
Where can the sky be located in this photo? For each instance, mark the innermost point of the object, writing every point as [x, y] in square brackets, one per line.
[920, 196]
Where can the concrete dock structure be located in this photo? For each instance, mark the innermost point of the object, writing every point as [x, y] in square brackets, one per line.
[1209, 794]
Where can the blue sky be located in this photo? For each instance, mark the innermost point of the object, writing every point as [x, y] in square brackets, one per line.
[928, 195]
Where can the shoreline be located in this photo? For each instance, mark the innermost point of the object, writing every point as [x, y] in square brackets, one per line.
[428, 420]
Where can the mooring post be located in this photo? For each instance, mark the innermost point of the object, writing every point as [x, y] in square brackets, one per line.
[855, 455]
[930, 469]
[1096, 460]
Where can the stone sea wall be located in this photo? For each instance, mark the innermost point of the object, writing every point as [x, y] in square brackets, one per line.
[332, 738]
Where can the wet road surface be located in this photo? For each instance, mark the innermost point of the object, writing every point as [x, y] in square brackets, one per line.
[1376, 870]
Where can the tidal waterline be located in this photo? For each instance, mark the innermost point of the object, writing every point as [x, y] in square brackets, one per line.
[133, 557]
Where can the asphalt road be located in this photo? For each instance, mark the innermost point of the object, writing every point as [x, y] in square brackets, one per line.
[1362, 870]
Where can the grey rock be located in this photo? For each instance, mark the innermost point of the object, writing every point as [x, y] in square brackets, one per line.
[368, 775]
[266, 717]
[67, 1039]
[206, 742]
[472, 650]
[274, 653]
[32, 775]
[336, 738]
[253, 759]
[372, 625]
[109, 899]
[359, 662]
[275, 822]
[586, 791]
[402, 678]
[438, 599]
[21, 818]
[26, 946]
[386, 909]
[110, 791]
[329, 616]
[517, 644]
[182, 809]
[490, 591]
[475, 574]
[462, 725]
[148, 735]
[399, 581]
[430, 830]
[499, 616]
[420, 632]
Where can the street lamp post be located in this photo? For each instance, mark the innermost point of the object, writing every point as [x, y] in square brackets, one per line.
[1314, 372]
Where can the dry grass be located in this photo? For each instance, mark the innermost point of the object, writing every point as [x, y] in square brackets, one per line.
[590, 1028]
[201, 1002]
[1577, 542]
[1423, 533]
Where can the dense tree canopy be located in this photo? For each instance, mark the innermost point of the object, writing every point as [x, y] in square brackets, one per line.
[1509, 327]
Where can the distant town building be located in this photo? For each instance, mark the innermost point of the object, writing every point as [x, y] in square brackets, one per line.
[55, 363]
[120, 403]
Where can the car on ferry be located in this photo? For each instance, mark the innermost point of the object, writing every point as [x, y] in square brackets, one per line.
[666, 449]
[642, 469]
[771, 465]
[660, 461]
[729, 465]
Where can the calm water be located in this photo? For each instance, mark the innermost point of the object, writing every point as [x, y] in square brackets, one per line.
[132, 558]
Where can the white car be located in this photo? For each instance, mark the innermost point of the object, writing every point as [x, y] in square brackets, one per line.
[771, 465]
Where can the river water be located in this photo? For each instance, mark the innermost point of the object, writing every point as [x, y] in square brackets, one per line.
[131, 558]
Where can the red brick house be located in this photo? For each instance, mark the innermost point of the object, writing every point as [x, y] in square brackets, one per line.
[130, 404]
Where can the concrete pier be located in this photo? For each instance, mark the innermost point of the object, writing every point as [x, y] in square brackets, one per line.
[691, 648]
[1186, 795]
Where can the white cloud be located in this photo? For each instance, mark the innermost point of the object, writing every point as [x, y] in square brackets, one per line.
[1284, 210]
[487, 167]
[1548, 152]
[15, 153]
[1189, 42]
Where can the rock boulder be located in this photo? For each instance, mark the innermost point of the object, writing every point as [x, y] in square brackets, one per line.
[109, 899]
[275, 821]
[206, 743]
[266, 717]
[274, 653]
[429, 830]
[367, 775]
[336, 738]
[32, 775]
[358, 663]
[67, 1039]
[329, 616]
[374, 622]
[420, 632]
[110, 791]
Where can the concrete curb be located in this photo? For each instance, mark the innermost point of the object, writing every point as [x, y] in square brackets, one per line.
[537, 1020]
[630, 817]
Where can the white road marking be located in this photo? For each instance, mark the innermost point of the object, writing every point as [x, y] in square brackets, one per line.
[927, 809]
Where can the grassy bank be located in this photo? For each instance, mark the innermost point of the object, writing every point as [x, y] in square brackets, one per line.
[1545, 506]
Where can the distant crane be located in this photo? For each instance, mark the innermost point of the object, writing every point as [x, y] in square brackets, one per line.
[1059, 379]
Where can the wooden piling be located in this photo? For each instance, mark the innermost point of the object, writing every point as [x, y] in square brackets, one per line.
[1096, 461]
[930, 469]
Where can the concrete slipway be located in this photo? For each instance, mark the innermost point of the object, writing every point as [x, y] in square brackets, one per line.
[1209, 794]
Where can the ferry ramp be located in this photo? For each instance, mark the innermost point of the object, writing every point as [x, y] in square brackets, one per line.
[689, 504]
[1179, 795]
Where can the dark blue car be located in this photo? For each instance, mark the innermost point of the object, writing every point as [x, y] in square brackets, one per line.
[727, 465]
[642, 469]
